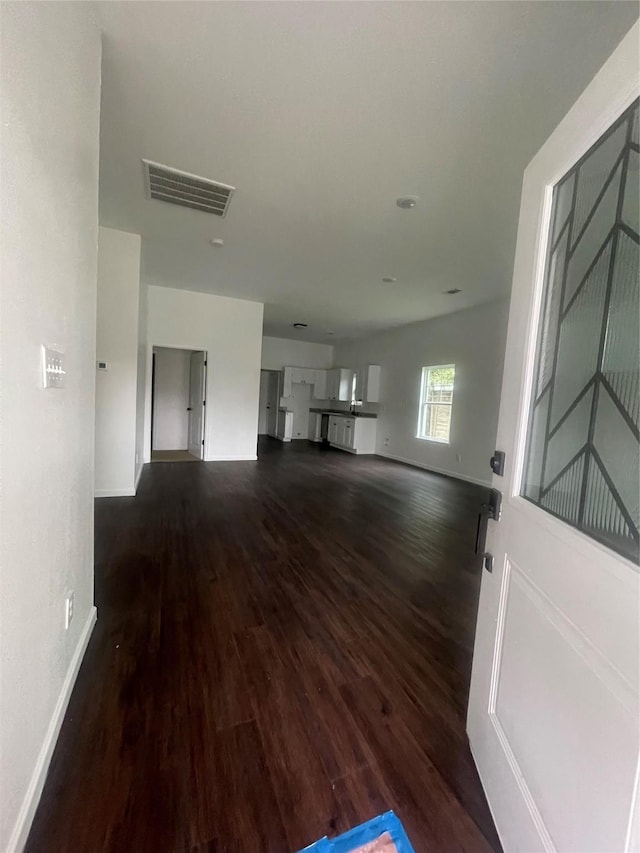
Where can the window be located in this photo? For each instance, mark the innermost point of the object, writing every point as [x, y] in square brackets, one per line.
[436, 399]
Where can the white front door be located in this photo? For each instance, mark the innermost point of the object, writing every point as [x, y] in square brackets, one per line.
[553, 717]
[196, 403]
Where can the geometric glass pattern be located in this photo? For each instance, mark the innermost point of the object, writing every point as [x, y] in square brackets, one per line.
[583, 441]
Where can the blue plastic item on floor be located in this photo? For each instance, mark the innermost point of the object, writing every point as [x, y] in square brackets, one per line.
[366, 832]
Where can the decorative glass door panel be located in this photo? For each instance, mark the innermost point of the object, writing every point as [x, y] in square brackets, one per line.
[583, 449]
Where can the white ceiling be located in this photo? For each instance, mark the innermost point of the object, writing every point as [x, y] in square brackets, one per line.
[322, 114]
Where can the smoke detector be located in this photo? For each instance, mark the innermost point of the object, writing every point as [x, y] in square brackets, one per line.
[407, 202]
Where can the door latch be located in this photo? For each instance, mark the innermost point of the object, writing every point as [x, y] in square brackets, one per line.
[488, 510]
[497, 462]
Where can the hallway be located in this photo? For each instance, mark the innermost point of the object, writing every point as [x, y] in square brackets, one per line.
[283, 650]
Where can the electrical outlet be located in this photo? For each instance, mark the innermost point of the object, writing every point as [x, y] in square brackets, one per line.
[68, 611]
[458, 457]
[386, 442]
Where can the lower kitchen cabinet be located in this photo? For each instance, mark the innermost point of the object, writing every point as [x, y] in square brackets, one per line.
[357, 435]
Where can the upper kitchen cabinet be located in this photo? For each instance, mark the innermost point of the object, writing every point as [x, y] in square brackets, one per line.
[299, 376]
[286, 381]
[339, 384]
[368, 384]
[320, 385]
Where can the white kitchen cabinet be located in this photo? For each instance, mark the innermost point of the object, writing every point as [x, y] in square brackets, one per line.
[298, 376]
[285, 382]
[348, 436]
[357, 435]
[368, 384]
[303, 375]
[339, 384]
[320, 385]
[335, 424]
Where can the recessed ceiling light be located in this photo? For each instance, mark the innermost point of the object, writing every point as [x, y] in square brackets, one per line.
[217, 241]
[407, 202]
[299, 325]
[389, 279]
[454, 290]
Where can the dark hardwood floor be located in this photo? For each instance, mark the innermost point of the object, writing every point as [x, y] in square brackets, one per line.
[283, 650]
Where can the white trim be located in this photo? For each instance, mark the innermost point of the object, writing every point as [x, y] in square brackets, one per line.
[632, 841]
[231, 459]
[115, 493]
[36, 784]
[138, 475]
[455, 474]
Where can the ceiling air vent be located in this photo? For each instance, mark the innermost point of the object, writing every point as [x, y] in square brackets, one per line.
[176, 187]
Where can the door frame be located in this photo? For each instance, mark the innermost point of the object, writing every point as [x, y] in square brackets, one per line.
[205, 364]
[270, 373]
[150, 394]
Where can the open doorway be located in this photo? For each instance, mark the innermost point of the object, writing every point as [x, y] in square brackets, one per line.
[177, 404]
[268, 411]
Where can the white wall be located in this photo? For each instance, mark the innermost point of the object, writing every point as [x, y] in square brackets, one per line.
[117, 344]
[474, 341]
[279, 352]
[171, 398]
[50, 83]
[230, 331]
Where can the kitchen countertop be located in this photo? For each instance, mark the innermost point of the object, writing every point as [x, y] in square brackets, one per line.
[344, 414]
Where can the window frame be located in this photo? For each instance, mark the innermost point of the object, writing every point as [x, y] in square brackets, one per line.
[425, 403]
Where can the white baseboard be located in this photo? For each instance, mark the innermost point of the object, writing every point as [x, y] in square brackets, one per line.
[27, 811]
[455, 474]
[115, 493]
[231, 459]
[345, 449]
[138, 475]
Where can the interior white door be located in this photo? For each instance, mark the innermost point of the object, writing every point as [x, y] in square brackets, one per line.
[272, 404]
[197, 369]
[263, 405]
[553, 715]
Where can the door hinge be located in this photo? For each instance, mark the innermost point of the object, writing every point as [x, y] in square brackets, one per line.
[203, 442]
[205, 363]
[204, 402]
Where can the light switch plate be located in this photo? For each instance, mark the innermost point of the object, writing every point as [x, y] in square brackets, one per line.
[53, 371]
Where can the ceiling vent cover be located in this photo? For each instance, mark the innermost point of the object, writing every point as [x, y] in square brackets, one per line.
[176, 187]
